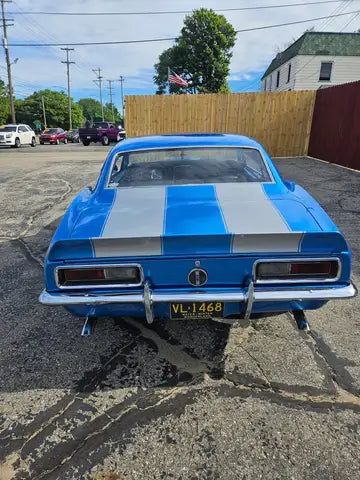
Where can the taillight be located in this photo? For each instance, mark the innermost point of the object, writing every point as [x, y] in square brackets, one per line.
[297, 270]
[129, 275]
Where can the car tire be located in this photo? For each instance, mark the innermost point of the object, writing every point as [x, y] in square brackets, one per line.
[33, 142]
[105, 140]
[86, 142]
[17, 142]
[65, 141]
[41, 143]
[57, 141]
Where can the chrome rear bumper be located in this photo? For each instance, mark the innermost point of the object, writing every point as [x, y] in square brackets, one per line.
[248, 296]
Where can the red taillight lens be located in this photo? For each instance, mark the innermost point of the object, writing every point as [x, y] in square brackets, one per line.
[86, 274]
[297, 270]
[316, 268]
[114, 275]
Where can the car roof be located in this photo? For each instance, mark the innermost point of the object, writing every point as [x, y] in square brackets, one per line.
[183, 140]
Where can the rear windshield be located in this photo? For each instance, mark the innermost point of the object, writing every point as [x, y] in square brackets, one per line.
[51, 130]
[188, 166]
[8, 129]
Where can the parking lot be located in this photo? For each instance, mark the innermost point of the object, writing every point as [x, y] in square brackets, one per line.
[181, 400]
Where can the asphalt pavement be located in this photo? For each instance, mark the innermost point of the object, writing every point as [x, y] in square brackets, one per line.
[175, 400]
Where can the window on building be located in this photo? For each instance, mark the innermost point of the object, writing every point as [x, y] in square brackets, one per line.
[270, 88]
[325, 71]
[289, 73]
[265, 85]
[277, 78]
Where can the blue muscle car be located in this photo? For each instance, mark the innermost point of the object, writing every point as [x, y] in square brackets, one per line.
[194, 226]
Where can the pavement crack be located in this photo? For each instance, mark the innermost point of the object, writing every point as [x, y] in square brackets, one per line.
[258, 364]
[49, 422]
[335, 365]
[98, 432]
[29, 252]
[34, 216]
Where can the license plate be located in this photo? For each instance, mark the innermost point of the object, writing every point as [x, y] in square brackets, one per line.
[88, 136]
[203, 310]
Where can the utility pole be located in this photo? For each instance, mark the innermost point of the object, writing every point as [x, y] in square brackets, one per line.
[110, 87]
[8, 62]
[67, 50]
[121, 80]
[44, 111]
[98, 82]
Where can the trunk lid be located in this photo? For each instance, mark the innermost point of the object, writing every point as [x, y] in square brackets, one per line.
[196, 220]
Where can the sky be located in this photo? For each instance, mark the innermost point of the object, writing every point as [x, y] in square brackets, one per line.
[41, 67]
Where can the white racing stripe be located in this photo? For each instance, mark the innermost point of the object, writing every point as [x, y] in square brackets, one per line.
[135, 223]
[255, 223]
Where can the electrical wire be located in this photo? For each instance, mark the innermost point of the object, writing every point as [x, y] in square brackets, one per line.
[244, 30]
[338, 9]
[346, 3]
[38, 30]
[175, 12]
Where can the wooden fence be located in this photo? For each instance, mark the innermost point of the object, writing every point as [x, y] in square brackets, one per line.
[280, 121]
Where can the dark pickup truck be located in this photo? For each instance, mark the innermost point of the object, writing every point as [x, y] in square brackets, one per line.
[104, 132]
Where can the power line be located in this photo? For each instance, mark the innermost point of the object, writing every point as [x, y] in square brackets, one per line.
[312, 58]
[176, 12]
[68, 63]
[345, 4]
[244, 30]
[337, 10]
[36, 28]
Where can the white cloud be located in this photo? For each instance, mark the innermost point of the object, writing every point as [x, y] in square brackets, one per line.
[240, 76]
[42, 66]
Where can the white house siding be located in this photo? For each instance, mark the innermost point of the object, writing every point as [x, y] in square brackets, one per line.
[283, 83]
[345, 69]
[305, 71]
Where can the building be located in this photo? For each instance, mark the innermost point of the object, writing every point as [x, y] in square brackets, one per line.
[315, 60]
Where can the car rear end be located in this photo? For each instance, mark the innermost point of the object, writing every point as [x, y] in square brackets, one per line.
[88, 135]
[142, 246]
[202, 285]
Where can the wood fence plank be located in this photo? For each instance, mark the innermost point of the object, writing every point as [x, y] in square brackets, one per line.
[281, 121]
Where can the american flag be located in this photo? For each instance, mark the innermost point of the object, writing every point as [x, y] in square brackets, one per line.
[175, 78]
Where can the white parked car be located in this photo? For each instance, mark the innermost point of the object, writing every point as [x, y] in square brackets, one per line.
[17, 135]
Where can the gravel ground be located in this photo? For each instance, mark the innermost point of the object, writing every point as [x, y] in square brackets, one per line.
[182, 400]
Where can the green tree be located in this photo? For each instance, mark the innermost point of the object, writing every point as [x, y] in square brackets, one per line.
[108, 113]
[201, 53]
[92, 110]
[30, 110]
[171, 58]
[4, 103]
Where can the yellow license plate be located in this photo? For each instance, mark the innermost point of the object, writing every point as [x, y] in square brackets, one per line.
[197, 310]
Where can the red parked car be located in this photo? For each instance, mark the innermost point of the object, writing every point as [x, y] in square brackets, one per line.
[53, 135]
